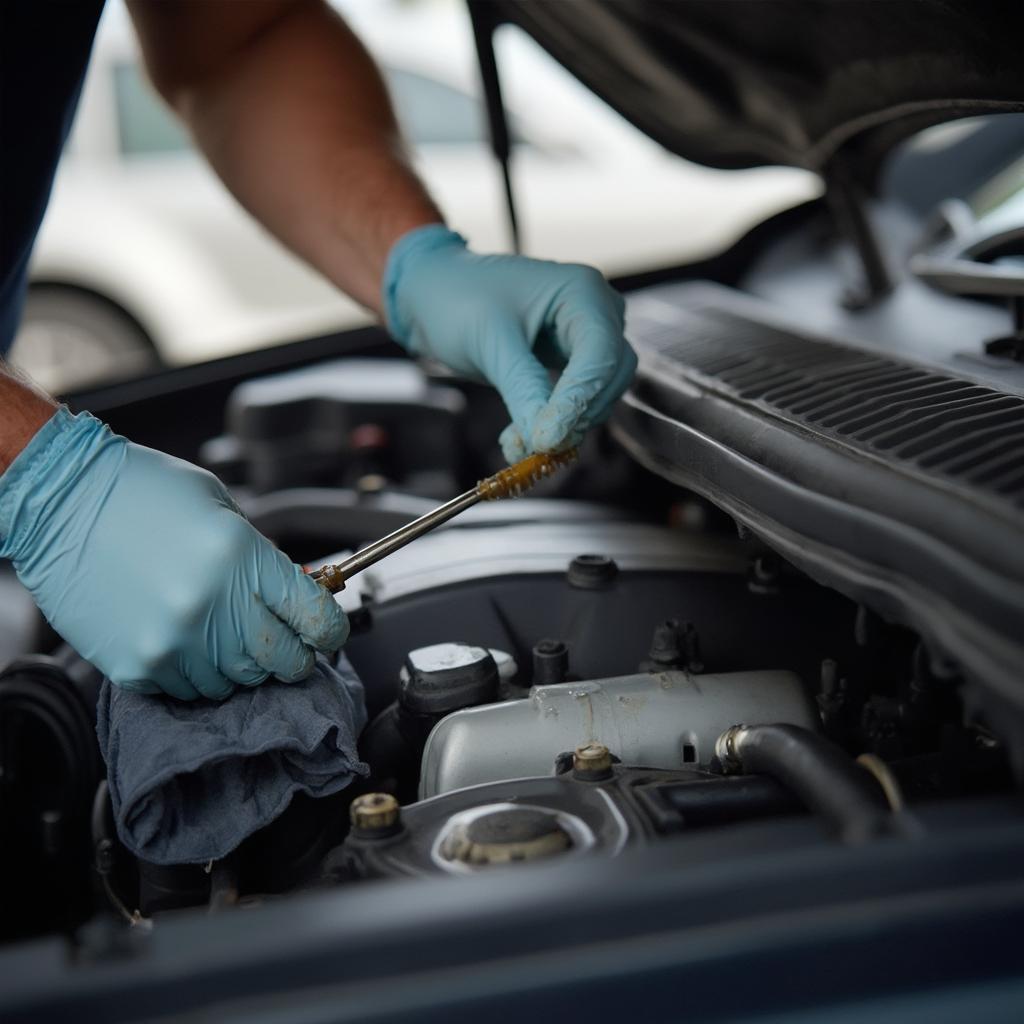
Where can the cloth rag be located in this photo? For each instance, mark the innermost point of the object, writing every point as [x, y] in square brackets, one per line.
[189, 781]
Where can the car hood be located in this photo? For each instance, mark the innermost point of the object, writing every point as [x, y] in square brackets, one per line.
[753, 82]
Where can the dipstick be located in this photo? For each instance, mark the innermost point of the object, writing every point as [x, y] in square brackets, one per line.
[506, 483]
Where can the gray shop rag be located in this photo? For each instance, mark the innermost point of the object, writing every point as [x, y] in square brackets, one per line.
[189, 781]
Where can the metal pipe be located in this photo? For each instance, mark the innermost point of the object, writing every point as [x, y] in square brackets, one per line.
[333, 576]
[506, 483]
[484, 22]
[847, 200]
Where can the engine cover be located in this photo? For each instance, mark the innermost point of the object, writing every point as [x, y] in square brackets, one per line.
[658, 720]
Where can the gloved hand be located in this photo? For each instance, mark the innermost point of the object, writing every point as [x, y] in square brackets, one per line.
[508, 318]
[144, 564]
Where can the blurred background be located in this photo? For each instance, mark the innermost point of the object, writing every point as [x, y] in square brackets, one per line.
[145, 260]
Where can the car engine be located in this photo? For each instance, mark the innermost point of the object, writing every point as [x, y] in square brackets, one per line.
[558, 677]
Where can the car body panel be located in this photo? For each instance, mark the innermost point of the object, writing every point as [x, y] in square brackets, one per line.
[754, 82]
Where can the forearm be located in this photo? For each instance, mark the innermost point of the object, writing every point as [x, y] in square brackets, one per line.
[23, 410]
[294, 117]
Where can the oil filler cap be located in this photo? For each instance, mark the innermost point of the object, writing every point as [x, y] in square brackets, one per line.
[446, 677]
[506, 835]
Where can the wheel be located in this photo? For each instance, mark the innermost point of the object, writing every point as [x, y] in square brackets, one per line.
[69, 339]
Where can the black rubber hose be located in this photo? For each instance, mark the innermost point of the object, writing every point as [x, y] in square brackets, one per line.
[392, 745]
[719, 801]
[37, 689]
[49, 770]
[816, 771]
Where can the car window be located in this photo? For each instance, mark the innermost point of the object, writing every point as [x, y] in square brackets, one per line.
[144, 124]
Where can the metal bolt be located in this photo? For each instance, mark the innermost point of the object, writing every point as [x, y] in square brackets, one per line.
[665, 647]
[592, 572]
[591, 761]
[550, 662]
[374, 812]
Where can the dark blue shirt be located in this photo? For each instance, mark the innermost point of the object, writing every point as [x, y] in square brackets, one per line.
[44, 51]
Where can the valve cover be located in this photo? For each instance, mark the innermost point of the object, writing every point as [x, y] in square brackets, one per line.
[658, 720]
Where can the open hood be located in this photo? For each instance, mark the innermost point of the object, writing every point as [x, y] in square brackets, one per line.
[743, 83]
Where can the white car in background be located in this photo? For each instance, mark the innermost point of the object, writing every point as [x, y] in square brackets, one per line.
[145, 259]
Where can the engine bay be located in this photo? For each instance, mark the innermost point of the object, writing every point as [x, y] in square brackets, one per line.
[545, 679]
[679, 687]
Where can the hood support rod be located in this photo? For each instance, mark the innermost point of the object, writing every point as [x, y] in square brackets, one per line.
[484, 25]
[848, 202]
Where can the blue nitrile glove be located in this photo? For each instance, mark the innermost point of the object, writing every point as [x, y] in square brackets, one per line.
[507, 319]
[144, 564]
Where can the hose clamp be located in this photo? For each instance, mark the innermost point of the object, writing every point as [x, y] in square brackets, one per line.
[727, 749]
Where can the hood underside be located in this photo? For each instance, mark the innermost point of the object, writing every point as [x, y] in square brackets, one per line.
[743, 83]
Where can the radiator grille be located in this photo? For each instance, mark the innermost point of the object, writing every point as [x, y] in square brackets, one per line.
[970, 434]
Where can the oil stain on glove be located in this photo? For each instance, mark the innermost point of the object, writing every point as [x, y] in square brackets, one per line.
[509, 320]
[144, 564]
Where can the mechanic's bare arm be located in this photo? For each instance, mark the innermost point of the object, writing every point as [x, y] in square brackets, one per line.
[291, 111]
[23, 410]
